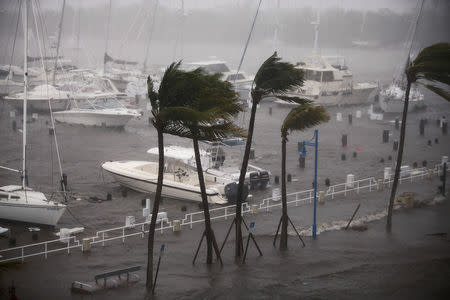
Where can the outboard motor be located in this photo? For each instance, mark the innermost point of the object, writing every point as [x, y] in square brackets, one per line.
[231, 191]
[263, 179]
[254, 180]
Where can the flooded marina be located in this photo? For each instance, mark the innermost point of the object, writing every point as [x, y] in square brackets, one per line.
[360, 142]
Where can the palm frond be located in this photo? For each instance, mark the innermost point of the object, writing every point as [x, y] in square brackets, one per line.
[217, 132]
[431, 64]
[292, 99]
[303, 117]
[206, 99]
[437, 90]
[186, 114]
[152, 95]
[275, 76]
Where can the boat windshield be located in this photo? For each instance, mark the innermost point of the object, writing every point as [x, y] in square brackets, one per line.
[101, 103]
[234, 77]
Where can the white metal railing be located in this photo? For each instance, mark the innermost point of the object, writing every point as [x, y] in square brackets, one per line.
[357, 185]
[140, 229]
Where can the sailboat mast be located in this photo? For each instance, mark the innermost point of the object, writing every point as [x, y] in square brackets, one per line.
[25, 92]
[316, 32]
[147, 46]
[59, 40]
[107, 36]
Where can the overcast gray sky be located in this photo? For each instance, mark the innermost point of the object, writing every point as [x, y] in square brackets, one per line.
[395, 5]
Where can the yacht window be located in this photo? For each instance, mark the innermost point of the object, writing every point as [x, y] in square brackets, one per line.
[216, 68]
[313, 75]
[3, 196]
[327, 76]
[15, 197]
[233, 77]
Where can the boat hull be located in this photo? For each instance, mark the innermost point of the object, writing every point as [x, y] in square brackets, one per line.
[146, 183]
[39, 105]
[396, 105]
[8, 89]
[92, 119]
[34, 214]
[356, 97]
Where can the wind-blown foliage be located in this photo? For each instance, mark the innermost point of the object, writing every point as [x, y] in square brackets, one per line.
[303, 117]
[431, 66]
[273, 78]
[207, 115]
[299, 118]
[175, 90]
[431, 69]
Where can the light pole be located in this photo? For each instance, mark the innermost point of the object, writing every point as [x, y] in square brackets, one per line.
[314, 144]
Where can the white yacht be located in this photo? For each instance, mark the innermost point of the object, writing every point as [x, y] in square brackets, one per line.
[331, 84]
[20, 203]
[101, 110]
[328, 81]
[39, 97]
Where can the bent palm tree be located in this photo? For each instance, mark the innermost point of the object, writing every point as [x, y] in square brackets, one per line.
[298, 119]
[272, 78]
[431, 66]
[211, 100]
[171, 93]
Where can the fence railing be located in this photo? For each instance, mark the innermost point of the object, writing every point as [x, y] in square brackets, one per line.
[19, 253]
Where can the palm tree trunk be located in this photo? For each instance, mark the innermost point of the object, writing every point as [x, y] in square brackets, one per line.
[240, 194]
[201, 180]
[284, 216]
[151, 233]
[399, 158]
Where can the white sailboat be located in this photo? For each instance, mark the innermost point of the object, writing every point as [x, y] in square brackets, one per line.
[392, 98]
[38, 98]
[20, 203]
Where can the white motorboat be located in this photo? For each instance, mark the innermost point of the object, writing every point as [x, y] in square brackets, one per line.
[39, 97]
[392, 99]
[102, 110]
[26, 205]
[20, 203]
[179, 183]
[212, 164]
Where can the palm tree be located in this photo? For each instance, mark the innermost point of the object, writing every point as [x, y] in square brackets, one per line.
[299, 118]
[170, 94]
[431, 66]
[212, 100]
[273, 77]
